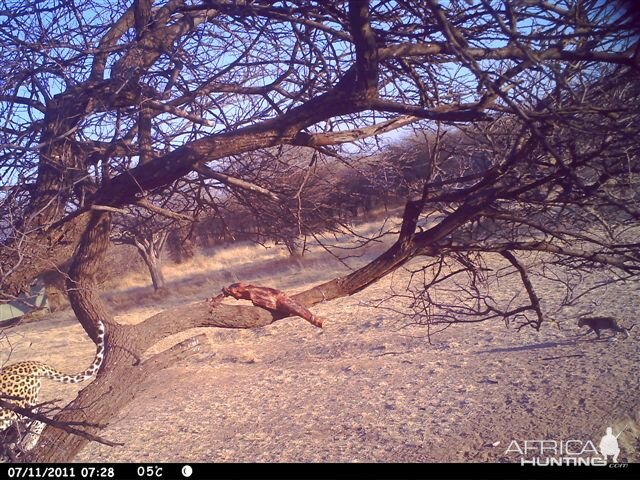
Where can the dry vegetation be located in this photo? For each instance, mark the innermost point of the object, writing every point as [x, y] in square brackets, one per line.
[368, 387]
[192, 122]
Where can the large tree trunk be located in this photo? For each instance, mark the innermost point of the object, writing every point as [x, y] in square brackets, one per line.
[48, 234]
[122, 370]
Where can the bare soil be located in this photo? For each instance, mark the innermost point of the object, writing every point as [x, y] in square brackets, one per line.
[367, 387]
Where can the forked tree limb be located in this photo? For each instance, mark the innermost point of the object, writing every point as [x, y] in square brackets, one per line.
[526, 281]
[122, 371]
[68, 426]
[356, 91]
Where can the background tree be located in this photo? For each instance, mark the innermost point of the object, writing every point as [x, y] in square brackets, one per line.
[147, 227]
[105, 104]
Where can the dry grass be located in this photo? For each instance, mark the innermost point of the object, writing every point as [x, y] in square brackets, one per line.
[230, 262]
[218, 259]
[364, 388]
[132, 298]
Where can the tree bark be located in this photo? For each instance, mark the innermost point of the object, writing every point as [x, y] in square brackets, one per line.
[355, 91]
[150, 249]
[155, 270]
[123, 370]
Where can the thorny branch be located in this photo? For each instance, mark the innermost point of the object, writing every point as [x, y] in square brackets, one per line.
[216, 108]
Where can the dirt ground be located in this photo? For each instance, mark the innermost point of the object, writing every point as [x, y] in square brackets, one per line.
[365, 388]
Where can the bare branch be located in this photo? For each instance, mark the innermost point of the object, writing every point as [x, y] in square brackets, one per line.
[526, 281]
[235, 182]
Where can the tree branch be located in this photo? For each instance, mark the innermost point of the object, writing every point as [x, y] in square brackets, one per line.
[433, 49]
[335, 138]
[144, 203]
[67, 426]
[235, 182]
[526, 281]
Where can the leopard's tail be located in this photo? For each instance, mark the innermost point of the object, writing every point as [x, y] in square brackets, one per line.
[58, 376]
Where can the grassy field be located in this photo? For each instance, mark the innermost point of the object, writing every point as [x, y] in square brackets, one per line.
[367, 387]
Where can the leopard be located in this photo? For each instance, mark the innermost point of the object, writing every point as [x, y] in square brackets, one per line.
[20, 385]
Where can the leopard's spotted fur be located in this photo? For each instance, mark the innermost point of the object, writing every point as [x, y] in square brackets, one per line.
[20, 384]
